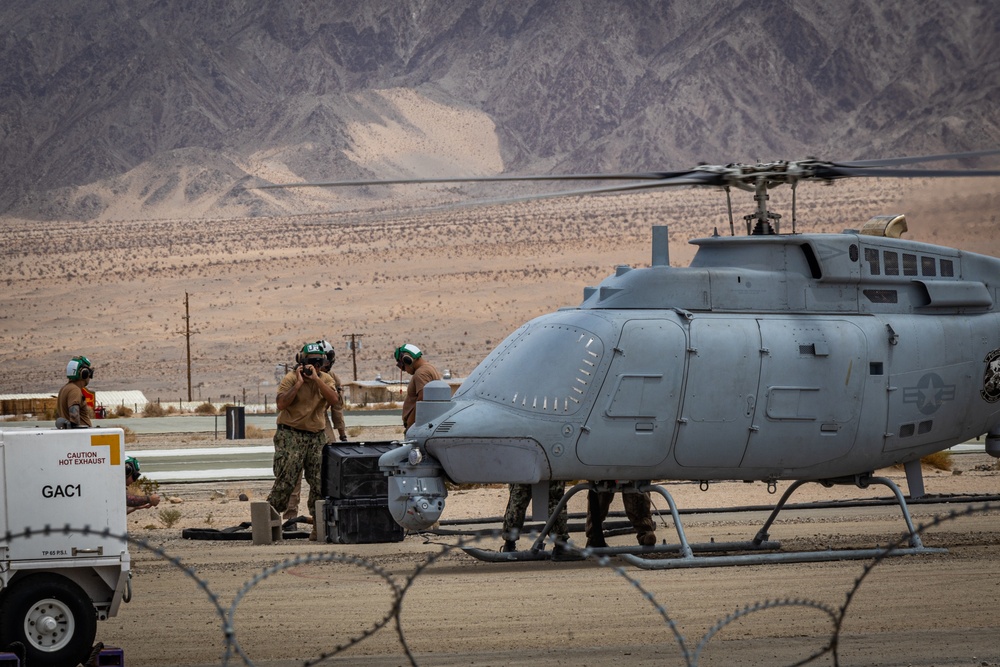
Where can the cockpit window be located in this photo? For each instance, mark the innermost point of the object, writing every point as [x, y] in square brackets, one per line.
[548, 369]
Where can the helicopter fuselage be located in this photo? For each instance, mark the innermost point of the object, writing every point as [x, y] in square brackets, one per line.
[814, 356]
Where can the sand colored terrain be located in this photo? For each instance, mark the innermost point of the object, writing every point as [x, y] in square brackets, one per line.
[440, 140]
[926, 610]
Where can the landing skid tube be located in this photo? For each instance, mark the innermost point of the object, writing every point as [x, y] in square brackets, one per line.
[576, 553]
[689, 560]
[572, 552]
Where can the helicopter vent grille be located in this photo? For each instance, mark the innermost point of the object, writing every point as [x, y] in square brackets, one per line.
[444, 427]
[881, 295]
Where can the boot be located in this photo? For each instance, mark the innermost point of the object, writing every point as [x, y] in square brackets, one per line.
[646, 539]
[561, 553]
[509, 545]
[596, 541]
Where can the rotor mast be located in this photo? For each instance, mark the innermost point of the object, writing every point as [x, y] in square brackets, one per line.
[763, 216]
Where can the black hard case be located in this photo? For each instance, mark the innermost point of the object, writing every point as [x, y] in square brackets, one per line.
[356, 492]
[350, 470]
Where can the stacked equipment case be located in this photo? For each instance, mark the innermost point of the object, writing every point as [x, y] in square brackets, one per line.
[355, 492]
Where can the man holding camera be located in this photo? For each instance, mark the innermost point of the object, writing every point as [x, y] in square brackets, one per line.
[338, 423]
[304, 395]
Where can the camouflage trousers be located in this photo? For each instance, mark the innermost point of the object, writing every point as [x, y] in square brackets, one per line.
[293, 501]
[638, 508]
[295, 451]
[517, 508]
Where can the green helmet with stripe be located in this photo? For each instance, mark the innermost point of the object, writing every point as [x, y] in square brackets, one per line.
[79, 368]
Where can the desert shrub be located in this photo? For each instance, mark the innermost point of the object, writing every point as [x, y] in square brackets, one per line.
[938, 460]
[153, 410]
[205, 408]
[254, 432]
[169, 516]
[147, 486]
[123, 411]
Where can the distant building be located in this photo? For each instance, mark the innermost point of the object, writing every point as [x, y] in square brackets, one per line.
[41, 405]
[369, 392]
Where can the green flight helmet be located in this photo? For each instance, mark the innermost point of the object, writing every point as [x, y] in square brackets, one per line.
[79, 368]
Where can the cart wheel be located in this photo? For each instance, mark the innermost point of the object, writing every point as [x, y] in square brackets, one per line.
[52, 617]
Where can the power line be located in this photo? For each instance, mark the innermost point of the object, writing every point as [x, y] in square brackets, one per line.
[353, 345]
[187, 335]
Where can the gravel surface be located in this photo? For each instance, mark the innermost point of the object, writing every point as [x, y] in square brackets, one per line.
[922, 610]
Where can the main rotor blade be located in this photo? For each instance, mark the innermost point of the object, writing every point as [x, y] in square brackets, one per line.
[687, 178]
[838, 171]
[889, 162]
[476, 179]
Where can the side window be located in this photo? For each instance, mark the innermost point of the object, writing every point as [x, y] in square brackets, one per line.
[928, 266]
[871, 256]
[891, 263]
[947, 268]
[909, 264]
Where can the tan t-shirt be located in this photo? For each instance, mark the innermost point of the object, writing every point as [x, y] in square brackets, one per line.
[415, 391]
[307, 411]
[71, 395]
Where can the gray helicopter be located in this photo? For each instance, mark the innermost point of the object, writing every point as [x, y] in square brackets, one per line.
[773, 356]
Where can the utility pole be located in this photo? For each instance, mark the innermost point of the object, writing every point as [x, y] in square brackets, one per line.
[187, 335]
[353, 346]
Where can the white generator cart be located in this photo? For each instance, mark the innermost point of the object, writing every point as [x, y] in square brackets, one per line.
[56, 586]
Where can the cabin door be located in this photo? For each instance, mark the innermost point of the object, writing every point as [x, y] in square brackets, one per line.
[721, 393]
[812, 382]
[634, 417]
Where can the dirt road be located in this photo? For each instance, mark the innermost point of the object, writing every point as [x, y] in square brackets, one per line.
[924, 610]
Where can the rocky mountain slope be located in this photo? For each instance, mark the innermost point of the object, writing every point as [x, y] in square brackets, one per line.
[138, 109]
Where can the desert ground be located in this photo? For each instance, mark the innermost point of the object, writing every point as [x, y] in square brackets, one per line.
[453, 280]
[297, 600]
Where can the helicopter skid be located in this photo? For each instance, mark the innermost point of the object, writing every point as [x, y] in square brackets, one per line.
[764, 558]
[760, 550]
[635, 552]
[703, 547]
[687, 559]
[491, 556]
